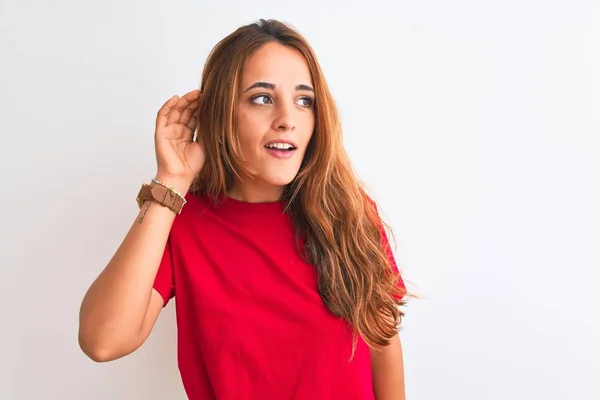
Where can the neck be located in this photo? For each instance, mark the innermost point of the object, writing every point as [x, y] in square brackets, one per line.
[255, 192]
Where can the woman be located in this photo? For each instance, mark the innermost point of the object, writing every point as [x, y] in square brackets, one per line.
[286, 286]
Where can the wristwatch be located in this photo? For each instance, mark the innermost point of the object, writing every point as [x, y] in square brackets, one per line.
[162, 195]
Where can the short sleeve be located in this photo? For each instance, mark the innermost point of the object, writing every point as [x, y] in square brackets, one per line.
[392, 259]
[388, 250]
[163, 283]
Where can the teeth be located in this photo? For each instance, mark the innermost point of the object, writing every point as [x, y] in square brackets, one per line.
[282, 146]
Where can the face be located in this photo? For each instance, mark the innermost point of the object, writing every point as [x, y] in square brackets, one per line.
[275, 115]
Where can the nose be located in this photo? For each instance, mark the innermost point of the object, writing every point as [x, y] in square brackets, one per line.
[284, 120]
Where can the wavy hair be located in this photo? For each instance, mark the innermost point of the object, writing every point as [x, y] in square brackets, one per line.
[343, 234]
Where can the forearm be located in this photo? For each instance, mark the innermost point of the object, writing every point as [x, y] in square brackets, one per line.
[387, 367]
[113, 309]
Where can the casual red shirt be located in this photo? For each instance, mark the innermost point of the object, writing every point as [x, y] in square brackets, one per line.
[251, 323]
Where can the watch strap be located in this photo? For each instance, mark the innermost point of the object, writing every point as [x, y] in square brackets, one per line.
[162, 195]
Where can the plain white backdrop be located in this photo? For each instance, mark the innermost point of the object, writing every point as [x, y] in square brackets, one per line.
[475, 123]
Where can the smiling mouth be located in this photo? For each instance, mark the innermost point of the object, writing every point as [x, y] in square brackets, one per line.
[280, 147]
[281, 151]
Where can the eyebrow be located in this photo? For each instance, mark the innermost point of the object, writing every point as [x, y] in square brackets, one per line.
[272, 86]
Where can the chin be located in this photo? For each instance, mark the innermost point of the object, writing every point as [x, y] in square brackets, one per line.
[280, 179]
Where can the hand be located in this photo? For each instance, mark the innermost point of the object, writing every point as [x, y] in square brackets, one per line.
[179, 158]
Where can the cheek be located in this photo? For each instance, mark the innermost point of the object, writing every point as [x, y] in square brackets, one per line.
[249, 130]
[309, 131]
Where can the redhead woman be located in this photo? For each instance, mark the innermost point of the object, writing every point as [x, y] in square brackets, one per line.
[254, 222]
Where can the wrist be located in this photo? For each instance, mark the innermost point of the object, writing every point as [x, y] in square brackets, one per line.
[176, 183]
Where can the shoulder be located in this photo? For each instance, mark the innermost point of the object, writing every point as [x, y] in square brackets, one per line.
[371, 208]
[193, 219]
[373, 213]
[195, 201]
[194, 204]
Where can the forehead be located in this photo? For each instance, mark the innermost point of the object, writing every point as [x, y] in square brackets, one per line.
[278, 64]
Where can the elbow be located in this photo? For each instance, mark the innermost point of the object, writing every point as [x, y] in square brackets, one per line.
[98, 351]
[93, 350]
[98, 356]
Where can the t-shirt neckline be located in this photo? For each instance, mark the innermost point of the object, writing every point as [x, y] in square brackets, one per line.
[230, 204]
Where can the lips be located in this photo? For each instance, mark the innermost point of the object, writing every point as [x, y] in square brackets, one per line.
[281, 148]
[280, 142]
[280, 153]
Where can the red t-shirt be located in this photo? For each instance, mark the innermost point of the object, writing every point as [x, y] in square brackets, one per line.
[251, 323]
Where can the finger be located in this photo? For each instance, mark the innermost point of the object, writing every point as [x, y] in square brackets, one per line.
[193, 95]
[183, 103]
[187, 135]
[193, 122]
[189, 112]
[163, 112]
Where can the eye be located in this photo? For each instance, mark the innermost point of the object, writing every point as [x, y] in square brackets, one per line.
[306, 101]
[266, 99]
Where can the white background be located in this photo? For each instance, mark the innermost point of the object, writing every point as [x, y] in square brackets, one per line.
[475, 123]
